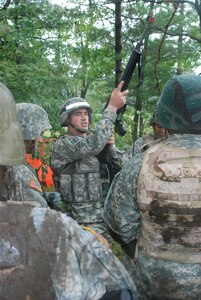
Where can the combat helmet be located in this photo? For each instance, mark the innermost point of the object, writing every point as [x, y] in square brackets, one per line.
[179, 107]
[71, 105]
[33, 120]
[12, 150]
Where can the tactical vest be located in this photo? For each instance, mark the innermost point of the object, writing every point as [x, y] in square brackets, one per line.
[169, 198]
[80, 187]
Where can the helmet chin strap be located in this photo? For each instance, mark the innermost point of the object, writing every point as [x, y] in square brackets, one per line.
[82, 130]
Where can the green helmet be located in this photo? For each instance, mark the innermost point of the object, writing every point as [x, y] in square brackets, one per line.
[71, 105]
[12, 150]
[33, 120]
[179, 107]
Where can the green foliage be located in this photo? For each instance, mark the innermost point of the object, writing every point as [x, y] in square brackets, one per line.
[49, 53]
[117, 250]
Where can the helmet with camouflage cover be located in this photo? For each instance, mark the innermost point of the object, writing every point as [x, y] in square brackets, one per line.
[33, 120]
[12, 151]
[71, 105]
[179, 107]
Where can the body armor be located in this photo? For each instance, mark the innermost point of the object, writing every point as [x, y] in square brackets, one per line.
[169, 198]
[81, 188]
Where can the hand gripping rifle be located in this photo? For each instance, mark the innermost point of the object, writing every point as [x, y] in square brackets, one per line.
[134, 60]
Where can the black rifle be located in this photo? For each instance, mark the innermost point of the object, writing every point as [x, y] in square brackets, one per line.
[134, 60]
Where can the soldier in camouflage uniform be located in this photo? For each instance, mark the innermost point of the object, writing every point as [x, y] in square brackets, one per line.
[34, 121]
[45, 254]
[21, 184]
[156, 198]
[11, 152]
[74, 158]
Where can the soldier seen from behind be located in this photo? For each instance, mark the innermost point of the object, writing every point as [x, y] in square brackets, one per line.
[20, 182]
[45, 254]
[153, 207]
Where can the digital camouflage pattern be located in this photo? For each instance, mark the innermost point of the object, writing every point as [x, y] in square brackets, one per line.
[21, 184]
[145, 142]
[77, 171]
[33, 120]
[142, 143]
[47, 255]
[17, 181]
[168, 259]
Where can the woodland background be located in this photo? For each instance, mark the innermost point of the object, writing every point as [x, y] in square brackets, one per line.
[50, 52]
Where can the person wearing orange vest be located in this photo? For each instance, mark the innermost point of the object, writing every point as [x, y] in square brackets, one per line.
[44, 171]
[45, 254]
[34, 121]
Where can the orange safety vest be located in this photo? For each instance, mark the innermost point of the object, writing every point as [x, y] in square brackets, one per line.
[45, 177]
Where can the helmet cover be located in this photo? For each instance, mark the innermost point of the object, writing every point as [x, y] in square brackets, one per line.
[71, 105]
[33, 120]
[179, 107]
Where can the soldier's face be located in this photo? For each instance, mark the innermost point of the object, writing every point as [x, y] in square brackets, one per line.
[159, 132]
[79, 120]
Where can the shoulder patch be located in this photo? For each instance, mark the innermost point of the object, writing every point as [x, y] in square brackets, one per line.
[35, 185]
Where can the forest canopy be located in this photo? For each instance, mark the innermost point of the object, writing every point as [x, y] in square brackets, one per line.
[50, 52]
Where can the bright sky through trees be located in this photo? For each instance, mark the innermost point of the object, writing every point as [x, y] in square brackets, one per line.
[59, 2]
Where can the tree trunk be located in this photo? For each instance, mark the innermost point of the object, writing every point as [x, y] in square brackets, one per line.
[138, 118]
[180, 43]
[118, 42]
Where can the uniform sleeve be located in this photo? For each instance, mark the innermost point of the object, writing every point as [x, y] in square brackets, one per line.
[65, 150]
[137, 147]
[120, 210]
[119, 157]
[80, 266]
[24, 185]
